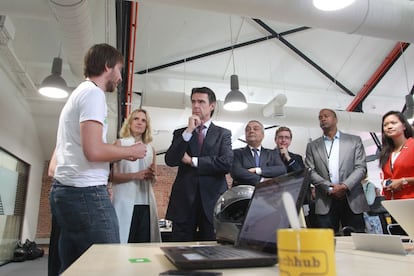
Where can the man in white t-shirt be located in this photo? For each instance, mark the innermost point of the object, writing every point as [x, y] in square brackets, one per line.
[79, 199]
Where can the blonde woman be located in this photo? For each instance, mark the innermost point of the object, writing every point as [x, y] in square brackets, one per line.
[133, 196]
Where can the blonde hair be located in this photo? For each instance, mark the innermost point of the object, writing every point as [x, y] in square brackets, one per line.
[125, 130]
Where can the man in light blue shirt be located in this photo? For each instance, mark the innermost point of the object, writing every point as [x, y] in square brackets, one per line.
[338, 165]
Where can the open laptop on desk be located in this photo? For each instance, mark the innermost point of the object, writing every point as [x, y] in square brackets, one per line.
[401, 210]
[256, 243]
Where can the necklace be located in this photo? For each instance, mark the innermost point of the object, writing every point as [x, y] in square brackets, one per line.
[399, 148]
[394, 156]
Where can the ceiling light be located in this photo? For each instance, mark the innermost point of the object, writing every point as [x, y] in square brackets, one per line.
[54, 86]
[332, 5]
[235, 100]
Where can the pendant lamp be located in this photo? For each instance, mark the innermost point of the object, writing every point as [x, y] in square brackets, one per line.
[332, 5]
[54, 86]
[235, 100]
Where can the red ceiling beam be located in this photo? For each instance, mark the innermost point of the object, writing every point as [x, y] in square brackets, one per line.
[392, 57]
[131, 57]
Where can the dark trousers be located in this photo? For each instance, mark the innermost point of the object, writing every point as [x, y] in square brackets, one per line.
[53, 261]
[341, 214]
[197, 227]
[140, 225]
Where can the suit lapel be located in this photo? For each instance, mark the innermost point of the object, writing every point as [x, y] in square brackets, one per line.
[248, 154]
[263, 156]
[322, 152]
[342, 149]
[193, 143]
[209, 140]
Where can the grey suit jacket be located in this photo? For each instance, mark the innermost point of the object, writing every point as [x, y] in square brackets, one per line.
[352, 169]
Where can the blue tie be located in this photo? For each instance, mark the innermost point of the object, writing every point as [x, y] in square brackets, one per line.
[256, 157]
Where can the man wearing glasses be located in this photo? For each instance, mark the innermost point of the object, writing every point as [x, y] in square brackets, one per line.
[283, 138]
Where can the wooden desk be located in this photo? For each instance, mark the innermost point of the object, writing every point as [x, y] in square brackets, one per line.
[113, 259]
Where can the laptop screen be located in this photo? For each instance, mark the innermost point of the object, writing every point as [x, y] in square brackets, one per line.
[266, 213]
[402, 211]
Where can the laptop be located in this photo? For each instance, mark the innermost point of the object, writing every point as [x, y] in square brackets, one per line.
[256, 242]
[401, 210]
[390, 244]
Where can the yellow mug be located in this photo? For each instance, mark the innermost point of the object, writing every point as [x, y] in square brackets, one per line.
[306, 252]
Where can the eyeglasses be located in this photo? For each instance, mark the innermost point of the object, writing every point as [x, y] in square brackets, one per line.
[284, 137]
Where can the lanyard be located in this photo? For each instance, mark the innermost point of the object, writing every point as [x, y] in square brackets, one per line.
[330, 149]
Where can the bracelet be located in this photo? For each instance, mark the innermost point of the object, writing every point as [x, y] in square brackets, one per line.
[404, 181]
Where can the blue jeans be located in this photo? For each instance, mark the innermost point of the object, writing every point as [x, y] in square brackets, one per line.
[85, 216]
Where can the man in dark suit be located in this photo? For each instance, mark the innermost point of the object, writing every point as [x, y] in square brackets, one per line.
[292, 161]
[338, 165]
[202, 151]
[247, 170]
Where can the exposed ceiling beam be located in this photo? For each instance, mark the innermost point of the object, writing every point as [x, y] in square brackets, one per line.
[381, 71]
[218, 51]
[303, 56]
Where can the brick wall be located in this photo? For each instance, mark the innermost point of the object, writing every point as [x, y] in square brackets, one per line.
[44, 220]
[162, 189]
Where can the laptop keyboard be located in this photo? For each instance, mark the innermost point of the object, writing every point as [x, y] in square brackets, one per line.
[224, 252]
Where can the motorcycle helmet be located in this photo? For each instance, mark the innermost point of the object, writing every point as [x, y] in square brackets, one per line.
[229, 212]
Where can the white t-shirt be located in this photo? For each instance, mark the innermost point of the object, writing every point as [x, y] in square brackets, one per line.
[86, 103]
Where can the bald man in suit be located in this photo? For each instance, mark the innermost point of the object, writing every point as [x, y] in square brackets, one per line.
[245, 170]
[338, 164]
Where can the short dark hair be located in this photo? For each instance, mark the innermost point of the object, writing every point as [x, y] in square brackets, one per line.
[99, 56]
[209, 92]
[330, 110]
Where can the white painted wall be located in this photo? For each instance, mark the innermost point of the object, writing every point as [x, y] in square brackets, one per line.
[18, 136]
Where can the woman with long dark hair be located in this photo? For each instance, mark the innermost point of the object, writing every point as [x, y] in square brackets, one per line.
[397, 156]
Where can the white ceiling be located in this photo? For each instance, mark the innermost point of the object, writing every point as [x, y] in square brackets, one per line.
[168, 33]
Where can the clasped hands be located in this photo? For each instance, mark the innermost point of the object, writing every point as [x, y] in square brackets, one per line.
[338, 191]
[147, 174]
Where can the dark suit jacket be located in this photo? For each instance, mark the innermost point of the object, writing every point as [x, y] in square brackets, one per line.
[352, 169]
[214, 162]
[270, 163]
[295, 164]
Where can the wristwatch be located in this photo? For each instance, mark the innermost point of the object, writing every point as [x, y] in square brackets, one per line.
[404, 181]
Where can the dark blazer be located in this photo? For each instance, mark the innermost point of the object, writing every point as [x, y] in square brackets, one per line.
[270, 163]
[208, 179]
[295, 164]
[352, 169]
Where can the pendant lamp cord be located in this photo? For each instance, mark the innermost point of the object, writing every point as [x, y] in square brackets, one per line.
[232, 46]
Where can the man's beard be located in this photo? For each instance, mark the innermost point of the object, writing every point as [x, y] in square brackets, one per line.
[110, 86]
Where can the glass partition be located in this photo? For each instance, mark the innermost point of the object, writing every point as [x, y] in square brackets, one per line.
[13, 186]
